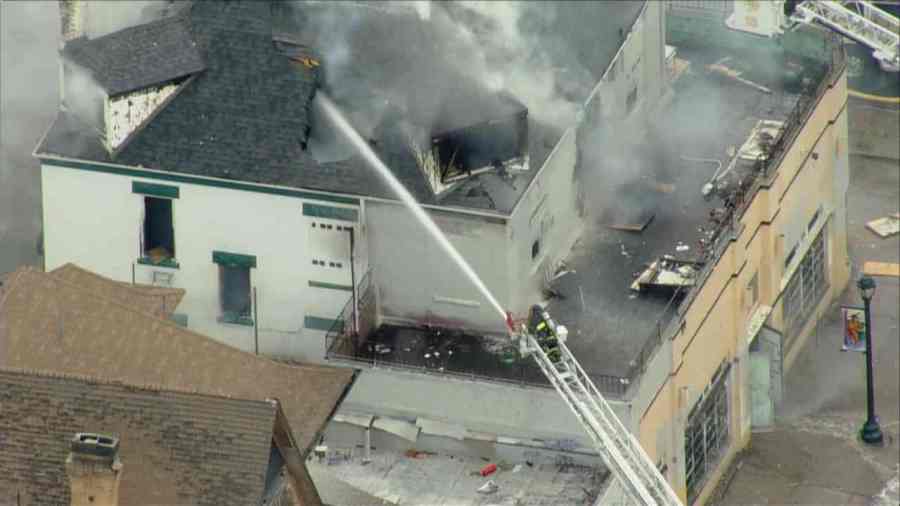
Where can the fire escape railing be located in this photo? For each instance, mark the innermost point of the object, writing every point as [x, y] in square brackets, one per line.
[342, 340]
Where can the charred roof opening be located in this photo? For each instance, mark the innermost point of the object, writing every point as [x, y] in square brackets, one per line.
[405, 97]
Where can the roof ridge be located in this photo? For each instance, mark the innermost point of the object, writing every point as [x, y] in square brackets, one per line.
[183, 330]
[147, 387]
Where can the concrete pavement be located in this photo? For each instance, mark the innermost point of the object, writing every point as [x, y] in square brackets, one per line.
[813, 455]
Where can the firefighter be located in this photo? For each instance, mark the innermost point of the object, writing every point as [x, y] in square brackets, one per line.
[541, 327]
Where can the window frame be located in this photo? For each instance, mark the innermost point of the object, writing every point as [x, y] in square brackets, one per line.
[224, 261]
[144, 257]
[707, 433]
[808, 285]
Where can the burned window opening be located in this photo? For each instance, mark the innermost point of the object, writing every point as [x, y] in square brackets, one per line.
[234, 283]
[159, 230]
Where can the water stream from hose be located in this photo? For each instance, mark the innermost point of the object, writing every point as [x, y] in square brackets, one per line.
[335, 115]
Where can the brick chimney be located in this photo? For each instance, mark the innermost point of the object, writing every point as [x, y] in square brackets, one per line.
[71, 15]
[94, 470]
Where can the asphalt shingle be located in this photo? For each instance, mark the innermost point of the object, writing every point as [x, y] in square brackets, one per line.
[139, 56]
[48, 323]
[176, 447]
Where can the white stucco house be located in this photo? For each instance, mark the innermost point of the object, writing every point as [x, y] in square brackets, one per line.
[185, 154]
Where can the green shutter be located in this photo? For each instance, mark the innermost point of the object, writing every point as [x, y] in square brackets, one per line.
[323, 324]
[330, 212]
[233, 259]
[331, 286]
[156, 190]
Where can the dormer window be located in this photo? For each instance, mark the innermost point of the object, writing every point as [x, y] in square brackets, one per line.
[126, 112]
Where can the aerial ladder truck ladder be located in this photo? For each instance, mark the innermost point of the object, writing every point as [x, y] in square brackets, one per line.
[859, 20]
[542, 338]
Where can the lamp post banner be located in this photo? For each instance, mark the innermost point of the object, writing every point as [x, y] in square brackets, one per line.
[855, 331]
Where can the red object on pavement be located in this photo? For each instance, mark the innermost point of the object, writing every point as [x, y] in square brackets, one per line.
[488, 469]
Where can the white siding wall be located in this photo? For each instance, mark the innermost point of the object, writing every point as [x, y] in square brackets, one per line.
[498, 409]
[94, 220]
[640, 64]
[548, 211]
[416, 278]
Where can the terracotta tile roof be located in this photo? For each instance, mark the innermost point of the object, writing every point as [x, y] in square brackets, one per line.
[47, 323]
[156, 300]
[175, 447]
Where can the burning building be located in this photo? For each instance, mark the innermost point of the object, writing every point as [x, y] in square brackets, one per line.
[541, 146]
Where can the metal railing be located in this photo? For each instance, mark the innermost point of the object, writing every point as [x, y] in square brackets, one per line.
[344, 345]
[341, 338]
[730, 228]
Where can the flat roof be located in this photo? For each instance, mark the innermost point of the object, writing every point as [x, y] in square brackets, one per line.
[609, 322]
[710, 116]
[448, 479]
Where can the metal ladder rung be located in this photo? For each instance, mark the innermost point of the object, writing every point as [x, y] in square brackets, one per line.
[627, 459]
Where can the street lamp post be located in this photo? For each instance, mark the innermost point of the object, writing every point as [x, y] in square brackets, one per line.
[871, 431]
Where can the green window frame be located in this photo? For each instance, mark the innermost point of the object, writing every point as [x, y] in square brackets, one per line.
[330, 212]
[155, 190]
[330, 286]
[233, 259]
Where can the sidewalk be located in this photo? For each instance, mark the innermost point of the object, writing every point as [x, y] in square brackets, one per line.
[813, 455]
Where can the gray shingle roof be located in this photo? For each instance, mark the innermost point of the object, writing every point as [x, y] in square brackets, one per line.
[139, 56]
[248, 115]
[175, 447]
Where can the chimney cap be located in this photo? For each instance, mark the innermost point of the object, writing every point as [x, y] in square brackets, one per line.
[90, 443]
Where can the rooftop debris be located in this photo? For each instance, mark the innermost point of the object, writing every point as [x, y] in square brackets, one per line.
[488, 488]
[885, 226]
[763, 136]
[488, 469]
[667, 274]
[718, 68]
[454, 479]
[636, 225]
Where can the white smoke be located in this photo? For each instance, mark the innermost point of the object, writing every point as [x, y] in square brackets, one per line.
[484, 41]
[105, 17]
[503, 57]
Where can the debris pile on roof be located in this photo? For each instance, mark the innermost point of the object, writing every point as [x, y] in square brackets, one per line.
[431, 478]
[885, 226]
[667, 274]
